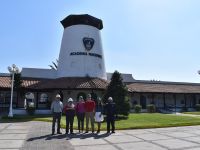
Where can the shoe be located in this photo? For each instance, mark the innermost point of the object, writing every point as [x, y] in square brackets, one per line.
[52, 133]
[108, 132]
[66, 133]
[113, 131]
[59, 132]
[72, 133]
[98, 132]
[92, 131]
[86, 131]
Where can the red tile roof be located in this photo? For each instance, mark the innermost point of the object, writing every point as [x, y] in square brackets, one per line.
[96, 83]
[73, 83]
[164, 87]
[5, 82]
[60, 83]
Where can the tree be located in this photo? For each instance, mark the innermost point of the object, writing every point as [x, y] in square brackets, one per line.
[118, 91]
[17, 81]
[55, 65]
[18, 84]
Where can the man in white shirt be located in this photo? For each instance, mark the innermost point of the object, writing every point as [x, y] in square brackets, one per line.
[56, 108]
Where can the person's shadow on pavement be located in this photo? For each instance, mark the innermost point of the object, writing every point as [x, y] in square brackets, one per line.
[69, 136]
[85, 136]
[47, 137]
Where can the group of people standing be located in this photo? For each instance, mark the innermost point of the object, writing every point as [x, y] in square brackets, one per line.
[84, 110]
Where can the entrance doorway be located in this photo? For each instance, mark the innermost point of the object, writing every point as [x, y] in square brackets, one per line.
[143, 101]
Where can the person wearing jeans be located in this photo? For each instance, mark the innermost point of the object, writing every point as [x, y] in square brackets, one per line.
[80, 113]
[56, 108]
[110, 115]
[70, 113]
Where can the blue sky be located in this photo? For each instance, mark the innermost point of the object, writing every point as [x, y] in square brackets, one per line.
[152, 39]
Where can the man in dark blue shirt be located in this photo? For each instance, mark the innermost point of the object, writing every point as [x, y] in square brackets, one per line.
[110, 113]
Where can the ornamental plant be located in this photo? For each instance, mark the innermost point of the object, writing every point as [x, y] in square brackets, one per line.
[30, 108]
[151, 108]
[197, 107]
[138, 108]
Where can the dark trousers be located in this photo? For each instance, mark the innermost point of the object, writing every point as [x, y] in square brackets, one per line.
[80, 117]
[98, 126]
[69, 123]
[110, 121]
[56, 117]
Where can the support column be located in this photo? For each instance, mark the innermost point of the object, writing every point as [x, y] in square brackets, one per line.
[185, 99]
[152, 96]
[140, 99]
[174, 95]
[17, 99]
[37, 100]
[164, 100]
[194, 101]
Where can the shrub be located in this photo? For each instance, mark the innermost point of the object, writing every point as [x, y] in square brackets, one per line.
[125, 107]
[30, 108]
[197, 107]
[184, 109]
[138, 108]
[151, 108]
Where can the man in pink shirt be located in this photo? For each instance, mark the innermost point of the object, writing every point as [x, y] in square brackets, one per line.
[80, 112]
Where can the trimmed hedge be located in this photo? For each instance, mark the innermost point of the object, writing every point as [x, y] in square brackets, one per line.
[151, 108]
[138, 108]
[197, 107]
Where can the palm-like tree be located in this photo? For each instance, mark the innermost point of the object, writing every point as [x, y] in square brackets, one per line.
[55, 65]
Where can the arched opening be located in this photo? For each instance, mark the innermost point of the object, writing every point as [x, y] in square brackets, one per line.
[29, 98]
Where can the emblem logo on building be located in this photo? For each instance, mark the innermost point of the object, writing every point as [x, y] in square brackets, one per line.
[88, 43]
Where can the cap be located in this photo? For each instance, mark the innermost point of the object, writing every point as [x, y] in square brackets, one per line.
[70, 100]
[58, 96]
[110, 98]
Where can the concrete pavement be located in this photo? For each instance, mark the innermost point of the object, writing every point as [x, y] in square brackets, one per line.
[179, 138]
[13, 135]
[36, 135]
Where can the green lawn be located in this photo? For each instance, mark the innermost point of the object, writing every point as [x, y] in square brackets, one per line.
[134, 121]
[193, 113]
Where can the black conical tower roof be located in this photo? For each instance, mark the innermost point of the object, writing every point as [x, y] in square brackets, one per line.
[84, 19]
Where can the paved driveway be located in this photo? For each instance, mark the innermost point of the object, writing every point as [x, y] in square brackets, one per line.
[36, 136]
[187, 138]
